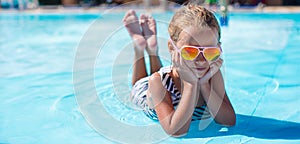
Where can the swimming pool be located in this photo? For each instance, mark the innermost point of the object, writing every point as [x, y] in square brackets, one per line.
[38, 53]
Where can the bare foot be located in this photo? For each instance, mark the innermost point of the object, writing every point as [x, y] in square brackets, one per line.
[133, 27]
[149, 31]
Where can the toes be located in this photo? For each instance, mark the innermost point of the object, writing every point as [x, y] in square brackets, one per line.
[130, 12]
[143, 18]
[133, 13]
[129, 16]
[151, 20]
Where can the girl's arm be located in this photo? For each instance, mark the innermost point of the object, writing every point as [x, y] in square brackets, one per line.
[174, 122]
[217, 100]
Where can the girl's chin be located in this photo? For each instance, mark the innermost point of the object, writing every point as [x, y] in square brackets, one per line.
[200, 76]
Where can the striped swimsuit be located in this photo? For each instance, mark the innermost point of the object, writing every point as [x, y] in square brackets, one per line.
[139, 91]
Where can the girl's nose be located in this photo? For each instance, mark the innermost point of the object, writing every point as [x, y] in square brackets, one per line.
[200, 57]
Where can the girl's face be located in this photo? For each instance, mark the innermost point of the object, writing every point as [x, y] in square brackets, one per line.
[198, 37]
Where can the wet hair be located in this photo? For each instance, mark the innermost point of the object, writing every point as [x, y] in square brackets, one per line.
[192, 15]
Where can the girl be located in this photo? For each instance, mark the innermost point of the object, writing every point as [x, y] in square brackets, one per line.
[193, 87]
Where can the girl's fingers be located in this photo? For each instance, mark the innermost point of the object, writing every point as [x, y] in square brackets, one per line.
[174, 59]
[214, 67]
[217, 64]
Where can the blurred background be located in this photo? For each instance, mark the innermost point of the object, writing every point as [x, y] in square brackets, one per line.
[25, 4]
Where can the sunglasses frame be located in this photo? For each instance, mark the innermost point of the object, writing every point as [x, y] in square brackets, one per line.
[200, 50]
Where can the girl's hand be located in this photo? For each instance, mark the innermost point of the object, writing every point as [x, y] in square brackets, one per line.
[213, 69]
[205, 86]
[185, 73]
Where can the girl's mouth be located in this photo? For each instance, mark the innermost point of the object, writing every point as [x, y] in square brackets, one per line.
[200, 69]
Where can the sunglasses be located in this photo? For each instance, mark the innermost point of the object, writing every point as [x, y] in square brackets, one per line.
[192, 52]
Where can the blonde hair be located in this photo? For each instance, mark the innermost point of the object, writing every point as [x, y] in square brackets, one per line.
[192, 15]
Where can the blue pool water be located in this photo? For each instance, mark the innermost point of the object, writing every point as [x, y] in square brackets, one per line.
[39, 54]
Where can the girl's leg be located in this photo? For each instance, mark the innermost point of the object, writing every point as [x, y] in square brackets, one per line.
[132, 25]
[149, 31]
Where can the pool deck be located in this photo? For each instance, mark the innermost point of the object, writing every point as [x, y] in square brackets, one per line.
[290, 9]
[101, 9]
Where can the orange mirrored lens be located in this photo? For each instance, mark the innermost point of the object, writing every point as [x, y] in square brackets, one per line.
[212, 54]
[189, 53]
